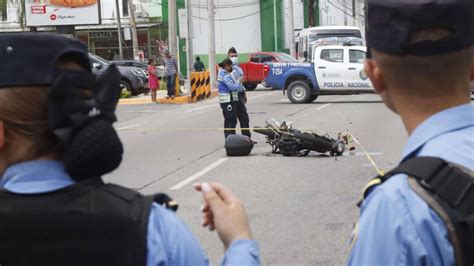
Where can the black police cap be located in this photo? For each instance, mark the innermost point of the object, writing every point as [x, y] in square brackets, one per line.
[30, 59]
[392, 23]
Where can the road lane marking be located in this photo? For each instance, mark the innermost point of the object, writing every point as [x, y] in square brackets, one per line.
[323, 106]
[127, 127]
[262, 95]
[199, 174]
[202, 107]
[217, 104]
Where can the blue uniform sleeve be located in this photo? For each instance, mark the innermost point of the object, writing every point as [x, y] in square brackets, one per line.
[231, 84]
[385, 235]
[242, 252]
[171, 243]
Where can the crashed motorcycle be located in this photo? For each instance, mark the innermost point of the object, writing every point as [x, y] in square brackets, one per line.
[293, 142]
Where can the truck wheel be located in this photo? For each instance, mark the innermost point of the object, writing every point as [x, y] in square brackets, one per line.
[299, 92]
[250, 86]
[313, 97]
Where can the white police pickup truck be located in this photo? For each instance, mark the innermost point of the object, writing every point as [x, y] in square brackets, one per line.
[333, 70]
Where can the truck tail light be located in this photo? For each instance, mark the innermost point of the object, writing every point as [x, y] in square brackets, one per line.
[266, 70]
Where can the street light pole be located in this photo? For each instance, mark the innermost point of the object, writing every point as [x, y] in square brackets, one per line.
[189, 42]
[291, 27]
[119, 29]
[172, 31]
[212, 43]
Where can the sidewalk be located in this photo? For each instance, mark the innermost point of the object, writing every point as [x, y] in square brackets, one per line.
[161, 98]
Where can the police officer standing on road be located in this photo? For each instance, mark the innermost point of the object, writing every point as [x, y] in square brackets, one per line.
[421, 62]
[241, 107]
[229, 90]
[56, 141]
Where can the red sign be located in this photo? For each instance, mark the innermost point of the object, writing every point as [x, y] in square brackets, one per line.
[53, 17]
[38, 9]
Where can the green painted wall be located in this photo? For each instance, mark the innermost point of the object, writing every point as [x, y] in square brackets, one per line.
[219, 58]
[272, 40]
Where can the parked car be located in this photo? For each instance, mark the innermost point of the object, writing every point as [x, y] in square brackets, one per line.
[255, 69]
[133, 63]
[134, 79]
[333, 70]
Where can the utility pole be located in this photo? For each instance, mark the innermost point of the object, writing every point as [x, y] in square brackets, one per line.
[133, 25]
[189, 42]
[344, 3]
[119, 29]
[172, 31]
[291, 27]
[212, 43]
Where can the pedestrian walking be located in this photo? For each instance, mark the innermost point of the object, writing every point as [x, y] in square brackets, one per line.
[171, 72]
[228, 96]
[238, 74]
[420, 62]
[153, 79]
[56, 141]
[198, 65]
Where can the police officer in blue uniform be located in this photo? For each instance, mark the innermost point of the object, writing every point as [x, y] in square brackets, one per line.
[420, 63]
[229, 89]
[241, 108]
[56, 141]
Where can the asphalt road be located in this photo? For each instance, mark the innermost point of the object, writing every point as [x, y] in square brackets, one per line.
[302, 209]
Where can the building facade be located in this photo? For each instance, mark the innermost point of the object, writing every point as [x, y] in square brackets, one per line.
[248, 25]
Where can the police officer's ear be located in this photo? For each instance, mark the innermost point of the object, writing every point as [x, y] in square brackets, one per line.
[472, 65]
[2, 135]
[375, 74]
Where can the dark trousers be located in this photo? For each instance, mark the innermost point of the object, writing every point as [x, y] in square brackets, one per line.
[171, 84]
[242, 115]
[230, 118]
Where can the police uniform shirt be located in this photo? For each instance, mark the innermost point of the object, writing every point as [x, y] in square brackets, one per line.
[227, 82]
[396, 226]
[169, 241]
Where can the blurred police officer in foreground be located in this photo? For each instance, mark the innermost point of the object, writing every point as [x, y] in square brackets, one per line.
[241, 108]
[229, 89]
[56, 141]
[421, 63]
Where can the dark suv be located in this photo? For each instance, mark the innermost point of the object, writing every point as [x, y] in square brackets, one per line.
[133, 78]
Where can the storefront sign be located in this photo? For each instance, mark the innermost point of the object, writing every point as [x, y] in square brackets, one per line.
[100, 34]
[62, 12]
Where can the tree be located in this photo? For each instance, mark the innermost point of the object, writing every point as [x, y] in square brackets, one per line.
[19, 4]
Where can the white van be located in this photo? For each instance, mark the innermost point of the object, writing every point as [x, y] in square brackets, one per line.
[309, 37]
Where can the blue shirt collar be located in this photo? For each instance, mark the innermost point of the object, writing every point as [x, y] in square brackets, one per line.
[36, 177]
[448, 120]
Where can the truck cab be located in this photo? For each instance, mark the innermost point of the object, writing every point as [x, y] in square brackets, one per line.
[334, 69]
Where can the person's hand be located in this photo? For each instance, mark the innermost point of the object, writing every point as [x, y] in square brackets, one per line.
[224, 212]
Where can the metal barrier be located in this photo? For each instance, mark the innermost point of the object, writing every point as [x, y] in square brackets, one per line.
[200, 86]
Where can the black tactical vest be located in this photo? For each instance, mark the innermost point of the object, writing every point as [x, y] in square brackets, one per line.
[88, 223]
[449, 190]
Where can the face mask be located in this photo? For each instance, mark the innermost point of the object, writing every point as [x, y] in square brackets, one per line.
[235, 60]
